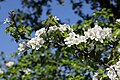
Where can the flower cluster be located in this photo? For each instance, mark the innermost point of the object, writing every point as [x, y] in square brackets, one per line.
[1, 71]
[61, 28]
[114, 71]
[97, 33]
[95, 76]
[37, 41]
[40, 32]
[64, 27]
[27, 71]
[10, 63]
[34, 43]
[74, 39]
[117, 20]
[52, 29]
[21, 46]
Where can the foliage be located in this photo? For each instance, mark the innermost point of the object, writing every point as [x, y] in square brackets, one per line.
[53, 59]
[34, 9]
[96, 5]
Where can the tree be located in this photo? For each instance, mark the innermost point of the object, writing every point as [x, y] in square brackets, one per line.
[60, 51]
[32, 16]
[77, 5]
[97, 4]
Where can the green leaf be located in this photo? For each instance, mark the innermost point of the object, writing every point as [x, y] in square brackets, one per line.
[20, 30]
[116, 32]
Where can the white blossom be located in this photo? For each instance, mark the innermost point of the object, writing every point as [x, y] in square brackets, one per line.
[56, 17]
[40, 32]
[82, 39]
[64, 27]
[35, 43]
[117, 20]
[117, 68]
[89, 34]
[52, 28]
[74, 39]
[118, 64]
[111, 73]
[6, 21]
[95, 76]
[27, 71]
[68, 41]
[10, 63]
[1, 71]
[97, 33]
[21, 47]
[106, 32]
[118, 49]
[114, 71]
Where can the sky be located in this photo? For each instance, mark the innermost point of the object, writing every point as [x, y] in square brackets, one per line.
[63, 12]
[6, 45]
